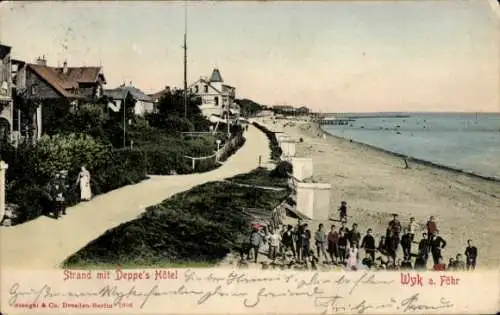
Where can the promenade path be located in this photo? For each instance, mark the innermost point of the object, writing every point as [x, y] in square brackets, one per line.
[44, 243]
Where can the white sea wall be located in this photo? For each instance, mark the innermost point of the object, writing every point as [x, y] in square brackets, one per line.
[302, 167]
[313, 200]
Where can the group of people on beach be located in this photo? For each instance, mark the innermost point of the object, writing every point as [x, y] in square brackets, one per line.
[341, 246]
[57, 190]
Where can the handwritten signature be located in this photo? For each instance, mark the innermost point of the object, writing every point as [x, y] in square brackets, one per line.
[333, 304]
[235, 285]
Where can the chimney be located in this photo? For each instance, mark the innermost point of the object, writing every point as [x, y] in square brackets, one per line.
[41, 61]
[65, 67]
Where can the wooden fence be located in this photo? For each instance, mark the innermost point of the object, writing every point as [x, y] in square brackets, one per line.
[219, 155]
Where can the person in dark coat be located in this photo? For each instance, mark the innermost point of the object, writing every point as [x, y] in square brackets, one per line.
[354, 236]
[299, 230]
[392, 248]
[58, 189]
[424, 247]
[382, 248]
[333, 239]
[368, 243]
[342, 245]
[395, 228]
[306, 241]
[406, 244]
[343, 211]
[438, 243]
[471, 255]
[287, 240]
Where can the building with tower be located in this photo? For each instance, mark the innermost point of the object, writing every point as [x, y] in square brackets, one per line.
[217, 98]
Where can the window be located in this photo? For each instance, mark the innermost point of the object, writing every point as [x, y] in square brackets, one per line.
[206, 88]
[34, 89]
[196, 90]
[216, 101]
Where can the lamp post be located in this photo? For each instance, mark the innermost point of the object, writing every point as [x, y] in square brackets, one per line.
[218, 144]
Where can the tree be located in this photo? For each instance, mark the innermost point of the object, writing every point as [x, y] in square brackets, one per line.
[171, 107]
[248, 107]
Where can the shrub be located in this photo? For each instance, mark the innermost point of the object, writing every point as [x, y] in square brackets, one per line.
[33, 167]
[67, 152]
[282, 169]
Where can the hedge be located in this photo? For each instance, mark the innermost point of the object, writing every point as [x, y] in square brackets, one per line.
[31, 168]
[273, 142]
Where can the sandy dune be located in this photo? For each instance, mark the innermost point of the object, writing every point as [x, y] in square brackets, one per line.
[45, 242]
[375, 184]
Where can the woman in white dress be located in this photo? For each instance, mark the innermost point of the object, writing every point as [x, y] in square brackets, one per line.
[84, 180]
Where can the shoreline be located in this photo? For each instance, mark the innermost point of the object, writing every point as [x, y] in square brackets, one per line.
[376, 184]
[411, 158]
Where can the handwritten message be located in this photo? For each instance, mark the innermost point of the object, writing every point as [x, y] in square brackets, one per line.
[191, 291]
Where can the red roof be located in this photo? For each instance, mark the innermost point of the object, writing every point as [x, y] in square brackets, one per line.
[62, 82]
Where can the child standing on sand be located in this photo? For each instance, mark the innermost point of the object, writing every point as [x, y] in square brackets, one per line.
[320, 241]
[343, 211]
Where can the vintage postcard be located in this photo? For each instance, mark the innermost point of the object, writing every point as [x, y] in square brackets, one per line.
[268, 157]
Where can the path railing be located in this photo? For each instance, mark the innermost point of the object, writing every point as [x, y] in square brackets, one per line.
[219, 154]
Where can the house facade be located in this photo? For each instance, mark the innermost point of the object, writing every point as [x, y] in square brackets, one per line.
[80, 84]
[6, 102]
[217, 98]
[144, 104]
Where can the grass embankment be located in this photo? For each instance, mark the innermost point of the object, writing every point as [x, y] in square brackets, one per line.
[198, 227]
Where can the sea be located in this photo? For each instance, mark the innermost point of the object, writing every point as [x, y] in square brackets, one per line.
[468, 142]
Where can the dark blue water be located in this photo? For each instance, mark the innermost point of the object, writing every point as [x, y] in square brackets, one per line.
[469, 142]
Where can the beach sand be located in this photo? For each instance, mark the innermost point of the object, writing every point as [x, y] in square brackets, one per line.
[376, 184]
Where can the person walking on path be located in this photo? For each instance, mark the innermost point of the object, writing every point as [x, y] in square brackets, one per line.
[320, 241]
[255, 242]
[333, 239]
[59, 188]
[84, 181]
[471, 255]
[368, 243]
[438, 243]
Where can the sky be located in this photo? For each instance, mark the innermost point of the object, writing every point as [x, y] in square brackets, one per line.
[332, 56]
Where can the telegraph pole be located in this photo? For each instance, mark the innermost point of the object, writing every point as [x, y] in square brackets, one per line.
[185, 59]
